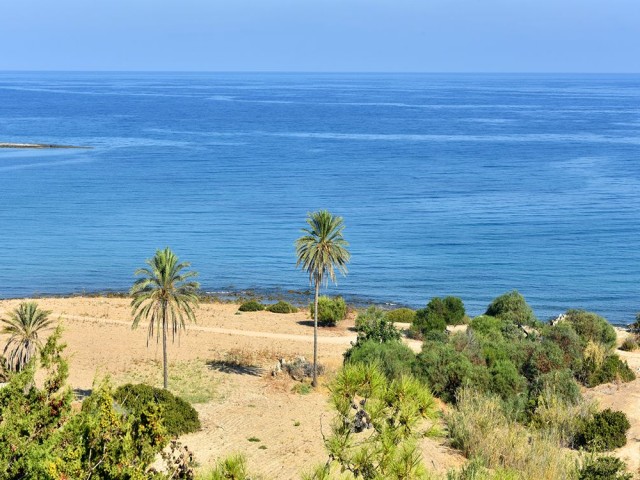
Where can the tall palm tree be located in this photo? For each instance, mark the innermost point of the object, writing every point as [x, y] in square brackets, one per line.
[321, 251]
[24, 325]
[164, 295]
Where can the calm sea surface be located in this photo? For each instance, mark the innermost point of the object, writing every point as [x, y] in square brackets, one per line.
[467, 185]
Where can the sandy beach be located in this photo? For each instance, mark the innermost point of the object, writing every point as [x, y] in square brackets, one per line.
[249, 402]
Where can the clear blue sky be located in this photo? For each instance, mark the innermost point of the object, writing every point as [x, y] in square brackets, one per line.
[322, 35]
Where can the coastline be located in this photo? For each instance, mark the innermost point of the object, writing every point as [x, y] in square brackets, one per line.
[38, 145]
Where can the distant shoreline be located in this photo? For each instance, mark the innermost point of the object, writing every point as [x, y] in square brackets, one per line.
[37, 145]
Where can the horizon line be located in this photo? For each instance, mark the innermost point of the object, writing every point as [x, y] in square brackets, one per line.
[319, 72]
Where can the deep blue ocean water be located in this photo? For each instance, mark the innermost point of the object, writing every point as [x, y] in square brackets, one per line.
[467, 185]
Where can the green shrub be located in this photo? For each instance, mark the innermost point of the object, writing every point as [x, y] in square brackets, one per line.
[282, 307]
[251, 306]
[486, 325]
[330, 310]
[591, 327]
[605, 431]
[427, 321]
[506, 381]
[394, 358]
[373, 324]
[612, 369]
[447, 311]
[603, 468]
[445, 370]
[564, 335]
[558, 383]
[178, 416]
[544, 357]
[401, 315]
[512, 307]
[233, 467]
[629, 345]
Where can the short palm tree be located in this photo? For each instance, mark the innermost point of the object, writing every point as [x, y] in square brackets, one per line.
[321, 251]
[24, 326]
[164, 295]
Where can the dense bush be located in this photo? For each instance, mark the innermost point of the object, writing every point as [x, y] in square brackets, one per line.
[506, 381]
[439, 313]
[251, 306]
[445, 370]
[564, 335]
[282, 307]
[612, 369]
[603, 468]
[394, 357]
[605, 431]
[558, 383]
[486, 325]
[591, 327]
[401, 315]
[373, 324]
[43, 437]
[512, 307]
[544, 357]
[330, 310]
[178, 416]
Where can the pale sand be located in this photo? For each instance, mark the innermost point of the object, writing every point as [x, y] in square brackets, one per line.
[100, 341]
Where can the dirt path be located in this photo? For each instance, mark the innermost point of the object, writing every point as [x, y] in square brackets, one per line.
[334, 340]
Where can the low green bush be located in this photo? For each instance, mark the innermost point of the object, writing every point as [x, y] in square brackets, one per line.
[373, 324]
[486, 325]
[612, 369]
[251, 306]
[401, 315]
[393, 357]
[512, 307]
[445, 370]
[178, 416]
[439, 313]
[591, 327]
[544, 357]
[564, 335]
[629, 345]
[605, 431]
[281, 307]
[603, 468]
[330, 310]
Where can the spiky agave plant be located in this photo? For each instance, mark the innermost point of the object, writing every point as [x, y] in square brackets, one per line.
[24, 325]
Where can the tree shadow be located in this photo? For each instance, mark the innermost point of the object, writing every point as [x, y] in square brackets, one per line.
[309, 323]
[233, 367]
[81, 393]
[306, 323]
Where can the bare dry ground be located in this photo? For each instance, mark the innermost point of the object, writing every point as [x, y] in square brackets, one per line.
[624, 397]
[224, 363]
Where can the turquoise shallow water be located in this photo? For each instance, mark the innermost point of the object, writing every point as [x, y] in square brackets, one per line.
[469, 185]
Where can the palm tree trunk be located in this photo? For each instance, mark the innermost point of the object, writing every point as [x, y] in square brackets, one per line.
[165, 370]
[314, 382]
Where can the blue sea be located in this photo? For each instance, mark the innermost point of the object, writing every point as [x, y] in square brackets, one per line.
[466, 185]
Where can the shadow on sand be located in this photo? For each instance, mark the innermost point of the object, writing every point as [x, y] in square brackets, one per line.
[232, 367]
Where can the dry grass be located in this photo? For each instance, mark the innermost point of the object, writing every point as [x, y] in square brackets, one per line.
[191, 380]
[479, 427]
